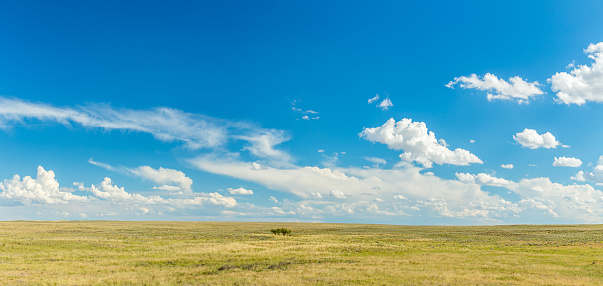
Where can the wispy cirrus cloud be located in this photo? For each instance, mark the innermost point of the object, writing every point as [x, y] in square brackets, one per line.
[195, 131]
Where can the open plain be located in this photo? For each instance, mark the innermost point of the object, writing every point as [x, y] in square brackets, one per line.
[235, 253]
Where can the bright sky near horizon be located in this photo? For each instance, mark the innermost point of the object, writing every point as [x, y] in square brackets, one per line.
[398, 112]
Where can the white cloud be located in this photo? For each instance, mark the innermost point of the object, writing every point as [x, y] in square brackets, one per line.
[579, 177]
[47, 195]
[202, 199]
[376, 161]
[567, 162]
[531, 139]
[385, 104]
[44, 189]
[371, 100]
[354, 191]
[196, 131]
[239, 191]
[571, 202]
[107, 191]
[583, 83]
[321, 151]
[359, 185]
[482, 179]
[274, 200]
[595, 176]
[262, 145]
[471, 141]
[167, 188]
[102, 165]
[516, 89]
[337, 194]
[507, 166]
[164, 176]
[419, 144]
[309, 111]
[167, 177]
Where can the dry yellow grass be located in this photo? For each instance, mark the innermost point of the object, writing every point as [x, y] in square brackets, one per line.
[219, 253]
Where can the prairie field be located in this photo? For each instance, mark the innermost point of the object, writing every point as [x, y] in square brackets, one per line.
[235, 253]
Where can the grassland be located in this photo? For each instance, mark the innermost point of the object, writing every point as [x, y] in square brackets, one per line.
[218, 253]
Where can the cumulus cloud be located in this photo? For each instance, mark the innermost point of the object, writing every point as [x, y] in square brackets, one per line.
[583, 83]
[299, 110]
[482, 179]
[239, 191]
[352, 187]
[579, 177]
[515, 89]
[419, 144]
[507, 166]
[354, 191]
[385, 104]
[165, 176]
[107, 191]
[45, 192]
[567, 162]
[167, 188]
[44, 189]
[595, 176]
[371, 100]
[531, 139]
[195, 131]
[337, 194]
[570, 202]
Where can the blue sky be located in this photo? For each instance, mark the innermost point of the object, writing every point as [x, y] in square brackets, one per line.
[392, 112]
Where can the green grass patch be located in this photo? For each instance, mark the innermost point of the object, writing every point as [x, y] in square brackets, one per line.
[219, 253]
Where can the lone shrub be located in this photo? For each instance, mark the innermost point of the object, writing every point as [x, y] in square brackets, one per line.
[282, 231]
